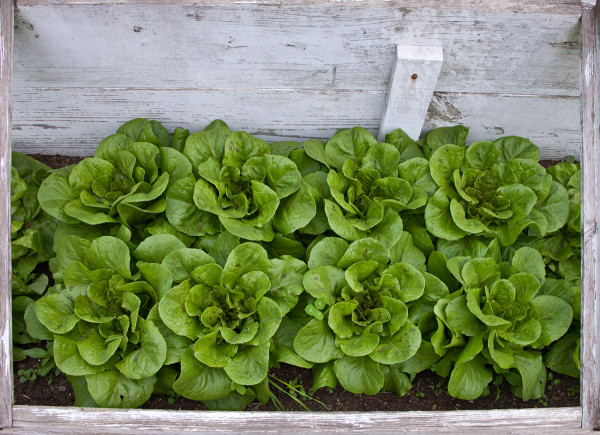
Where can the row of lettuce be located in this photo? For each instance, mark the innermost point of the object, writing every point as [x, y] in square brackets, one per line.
[195, 262]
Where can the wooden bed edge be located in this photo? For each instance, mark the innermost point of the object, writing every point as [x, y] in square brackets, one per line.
[590, 125]
[69, 419]
[6, 370]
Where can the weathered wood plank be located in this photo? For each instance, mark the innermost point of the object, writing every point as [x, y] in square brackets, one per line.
[414, 76]
[73, 121]
[319, 45]
[552, 123]
[590, 126]
[546, 6]
[6, 371]
[55, 419]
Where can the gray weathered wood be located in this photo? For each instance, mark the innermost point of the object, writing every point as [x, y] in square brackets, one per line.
[6, 372]
[73, 121]
[414, 75]
[551, 123]
[590, 123]
[295, 70]
[547, 6]
[68, 420]
[325, 45]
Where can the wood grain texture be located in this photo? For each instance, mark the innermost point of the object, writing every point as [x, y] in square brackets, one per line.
[317, 46]
[297, 70]
[55, 420]
[412, 81]
[74, 121]
[547, 6]
[551, 123]
[590, 122]
[6, 372]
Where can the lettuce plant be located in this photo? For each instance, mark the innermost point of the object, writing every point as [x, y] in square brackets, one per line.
[493, 189]
[562, 253]
[125, 182]
[359, 328]
[31, 229]
[100, 325]
[179, 263]
[231, 313]
[498, 321]
[366, 187]
[253, 193]
[144, 130]
[31, 234]
[562, 248]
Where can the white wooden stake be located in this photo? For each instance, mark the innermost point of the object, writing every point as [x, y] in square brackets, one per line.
[413, 79]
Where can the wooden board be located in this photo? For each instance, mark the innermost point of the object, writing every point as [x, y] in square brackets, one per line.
[6, 369]
[28, 419]
[333, 60]
[319, 46]
[73, 121]
[548, 6]
[590, 104]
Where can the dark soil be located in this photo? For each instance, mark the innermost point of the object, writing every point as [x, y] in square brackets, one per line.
[429, 392]
[51, 390]
[548, 163]
[56, 161]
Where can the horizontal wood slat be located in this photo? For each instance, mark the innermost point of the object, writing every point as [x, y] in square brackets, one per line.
[319, 45]
[547, 6]
[55, 419]
[73, 121]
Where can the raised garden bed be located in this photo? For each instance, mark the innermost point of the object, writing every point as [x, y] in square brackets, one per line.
[553, 418]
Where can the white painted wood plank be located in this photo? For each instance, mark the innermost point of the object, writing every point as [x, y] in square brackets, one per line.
[414, 76]
[74, 121]
[590, 122]
[55, 419]
[546, 6]
[322, 45]
[552, 123]
[6, 368]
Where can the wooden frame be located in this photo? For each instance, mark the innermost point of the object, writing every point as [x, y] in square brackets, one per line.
[22, 419]
[590, 127]
[6, 371]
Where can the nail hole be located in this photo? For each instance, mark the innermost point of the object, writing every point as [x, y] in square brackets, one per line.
[414, 77]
